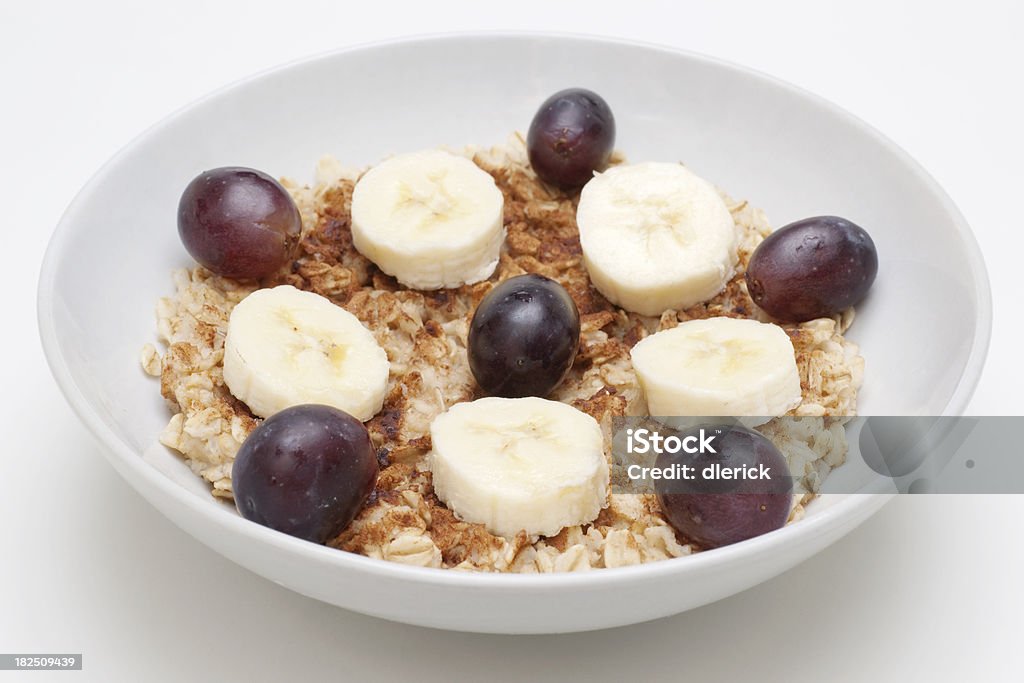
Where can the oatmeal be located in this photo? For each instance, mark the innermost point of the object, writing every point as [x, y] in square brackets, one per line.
[424, 334]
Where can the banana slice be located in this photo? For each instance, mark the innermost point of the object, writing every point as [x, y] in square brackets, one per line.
[430, 219]
[516, 464]
[655, 237]
[720, 367]
[286, 347]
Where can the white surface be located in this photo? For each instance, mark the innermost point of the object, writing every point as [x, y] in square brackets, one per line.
[91, 322]
[926, 587]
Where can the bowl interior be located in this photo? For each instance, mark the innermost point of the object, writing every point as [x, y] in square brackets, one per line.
[786, 151]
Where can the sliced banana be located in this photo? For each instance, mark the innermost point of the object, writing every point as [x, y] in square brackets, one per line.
[286, 347]
[519, 464]
[431, 219]
[721, 367]
[655, 237]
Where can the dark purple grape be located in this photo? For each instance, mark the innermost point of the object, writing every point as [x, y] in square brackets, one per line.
[524, 337]
[238, 222]
[812, 268]
[713, 512]
[571, 136]
[306, 471]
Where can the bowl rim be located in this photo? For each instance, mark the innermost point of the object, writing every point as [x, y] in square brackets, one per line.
[834, 515]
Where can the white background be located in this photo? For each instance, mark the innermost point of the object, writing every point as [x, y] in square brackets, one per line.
[928, 589]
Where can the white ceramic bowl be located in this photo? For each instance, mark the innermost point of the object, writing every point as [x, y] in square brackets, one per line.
[924, 330]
